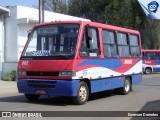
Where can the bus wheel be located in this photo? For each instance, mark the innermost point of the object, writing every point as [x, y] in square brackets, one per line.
[82, 94]
[148, 70]
[32, 97]
[127, 87]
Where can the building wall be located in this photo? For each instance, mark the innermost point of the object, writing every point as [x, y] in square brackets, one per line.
[27, 12]
[11, 36]
[1, 42]
[20, 21]
[10, 46]
[22, 36]
[16, 36]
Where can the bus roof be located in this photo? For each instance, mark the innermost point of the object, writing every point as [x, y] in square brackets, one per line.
[94, 24]
[143, 50]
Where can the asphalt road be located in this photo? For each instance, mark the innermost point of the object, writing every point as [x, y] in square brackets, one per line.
[144, 97]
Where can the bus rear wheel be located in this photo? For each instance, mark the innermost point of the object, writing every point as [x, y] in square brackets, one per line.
[126, 88]
[82, 94]
[148, 70]
[32, 97]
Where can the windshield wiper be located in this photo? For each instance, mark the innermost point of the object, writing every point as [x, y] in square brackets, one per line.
[62, 55]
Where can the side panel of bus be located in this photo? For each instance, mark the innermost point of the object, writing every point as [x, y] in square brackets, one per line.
[115, 57]
[106, 74]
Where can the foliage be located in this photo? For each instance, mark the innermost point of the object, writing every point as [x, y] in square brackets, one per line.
[151, 35]
[124, 13]
[91, 9]
[11, 74]
[59, 6]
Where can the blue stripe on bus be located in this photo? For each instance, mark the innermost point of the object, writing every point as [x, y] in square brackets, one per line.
[157, 61]
[157, 69]
[107, 63]
[112, 83]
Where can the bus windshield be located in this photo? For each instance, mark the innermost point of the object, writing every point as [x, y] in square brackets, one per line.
[52, 41]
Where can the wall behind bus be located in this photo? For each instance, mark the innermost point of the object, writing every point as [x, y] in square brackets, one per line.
[4, 12]
[16, 36]
[1, 42]
[10, 46]
[20, 21]
[22, 36]
[11, 36]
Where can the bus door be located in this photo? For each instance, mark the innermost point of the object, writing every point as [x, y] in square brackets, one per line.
[89, 53]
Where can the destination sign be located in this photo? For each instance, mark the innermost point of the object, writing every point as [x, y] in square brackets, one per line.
[48, 30]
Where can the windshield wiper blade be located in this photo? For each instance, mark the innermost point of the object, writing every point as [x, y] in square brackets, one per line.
[62, 55]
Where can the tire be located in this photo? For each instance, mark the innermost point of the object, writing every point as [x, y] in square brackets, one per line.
[82, 94]
[126, 88]
[148, 71]
[32, 97]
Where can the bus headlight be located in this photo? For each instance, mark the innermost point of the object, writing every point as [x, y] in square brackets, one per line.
[21, 73]
[67, 73]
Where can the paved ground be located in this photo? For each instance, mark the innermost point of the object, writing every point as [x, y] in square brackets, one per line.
[144, 97]
[8, 87]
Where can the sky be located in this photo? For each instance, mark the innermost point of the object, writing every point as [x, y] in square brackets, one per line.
[28, 3]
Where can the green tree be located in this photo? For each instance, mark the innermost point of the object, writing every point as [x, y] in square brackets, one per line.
[90, 9]
[124, 13]
[59, 6]
[150, 35]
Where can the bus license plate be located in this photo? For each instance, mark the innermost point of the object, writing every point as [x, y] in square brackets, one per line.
[41, 92]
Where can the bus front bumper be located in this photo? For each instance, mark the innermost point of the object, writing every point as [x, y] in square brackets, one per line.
[48, 87]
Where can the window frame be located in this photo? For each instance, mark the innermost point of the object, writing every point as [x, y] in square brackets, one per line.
[109, 44]
[123, 45]
[85, 37]
[155, 57]
[131, 46]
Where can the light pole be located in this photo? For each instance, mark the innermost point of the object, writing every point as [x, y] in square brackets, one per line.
[43, 1]
[41, 11]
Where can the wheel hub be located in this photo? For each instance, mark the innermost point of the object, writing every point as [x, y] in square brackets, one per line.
[83, 93]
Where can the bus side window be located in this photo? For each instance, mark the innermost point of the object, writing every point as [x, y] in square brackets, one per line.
[90, 43]
[134, 45]
[109, 45]
[151, 55]
[123, 47]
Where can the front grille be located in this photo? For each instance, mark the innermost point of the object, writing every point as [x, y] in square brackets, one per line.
[41, 84]
[31, 73]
